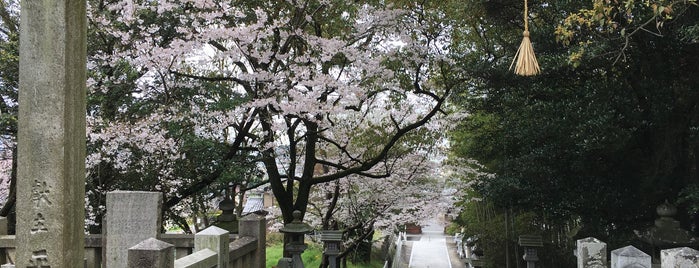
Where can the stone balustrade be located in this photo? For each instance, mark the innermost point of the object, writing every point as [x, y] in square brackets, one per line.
[212, 248]
[592, 253]
[246, 249]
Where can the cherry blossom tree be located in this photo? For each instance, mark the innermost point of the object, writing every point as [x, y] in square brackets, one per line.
[186, 92]
[9, 80]
[6, 172]
[360, 205]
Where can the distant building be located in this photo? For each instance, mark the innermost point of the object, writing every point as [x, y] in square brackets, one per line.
[257, 201]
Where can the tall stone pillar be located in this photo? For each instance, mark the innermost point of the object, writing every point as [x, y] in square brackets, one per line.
[51, 134]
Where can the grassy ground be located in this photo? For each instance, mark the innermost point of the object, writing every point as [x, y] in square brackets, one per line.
[311, 257]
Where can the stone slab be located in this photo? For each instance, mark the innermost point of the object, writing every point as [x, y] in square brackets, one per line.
[132, 217]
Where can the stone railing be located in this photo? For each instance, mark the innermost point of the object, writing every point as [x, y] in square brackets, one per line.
[132, 226]
[212, 248]
[592, 252]
[247, 249]
[183, 243]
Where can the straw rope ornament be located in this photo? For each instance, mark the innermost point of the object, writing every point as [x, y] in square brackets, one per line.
[525, 58]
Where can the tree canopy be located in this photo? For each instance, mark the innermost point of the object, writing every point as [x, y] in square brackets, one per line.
[290, 85]
[186, 97]
[606, 133]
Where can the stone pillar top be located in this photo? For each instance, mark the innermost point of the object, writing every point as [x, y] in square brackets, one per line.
[683, 251]
[629, 251]
[151, 253]
[151, 244]
[213, 230]
[630, 256]
[589, 240]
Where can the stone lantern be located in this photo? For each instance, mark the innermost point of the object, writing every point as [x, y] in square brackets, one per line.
[227, 220]
[530, 244]
[332, 239]
[297, 229]
[666, 232]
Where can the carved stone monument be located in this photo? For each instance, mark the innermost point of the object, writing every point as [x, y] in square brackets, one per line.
[592, 253]
[132, 217]
[51, 134]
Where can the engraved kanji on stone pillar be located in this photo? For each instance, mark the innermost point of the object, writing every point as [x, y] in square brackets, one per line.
[40, 194]
[38, 225]
[39, 259]
[51, 134]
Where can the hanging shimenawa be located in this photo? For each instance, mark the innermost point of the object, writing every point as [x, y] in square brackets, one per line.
[525, 58]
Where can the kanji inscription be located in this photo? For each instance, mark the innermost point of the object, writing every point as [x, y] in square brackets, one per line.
[39, 259]
[39, 224]
[40, 194]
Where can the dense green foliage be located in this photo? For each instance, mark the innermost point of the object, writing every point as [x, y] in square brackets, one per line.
[608, 131]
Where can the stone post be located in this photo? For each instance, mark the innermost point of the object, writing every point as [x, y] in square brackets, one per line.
[592, 253]
[131, 218]
[679, 257]
[215, 239]
[152, 253]
[254, 225]
[51, 134]
[630, 256]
